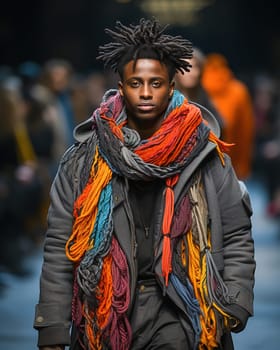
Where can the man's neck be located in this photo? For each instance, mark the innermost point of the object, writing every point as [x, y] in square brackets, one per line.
[144, 128]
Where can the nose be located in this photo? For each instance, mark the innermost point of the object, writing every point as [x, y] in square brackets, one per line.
[146, 92]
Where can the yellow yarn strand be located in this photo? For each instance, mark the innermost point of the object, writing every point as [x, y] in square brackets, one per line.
[199, 245]
[197, 275]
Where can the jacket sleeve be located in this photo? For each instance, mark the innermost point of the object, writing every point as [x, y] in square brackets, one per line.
[238, 246]
[53, 312]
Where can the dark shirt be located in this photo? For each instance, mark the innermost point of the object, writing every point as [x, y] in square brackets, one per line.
[143, 198]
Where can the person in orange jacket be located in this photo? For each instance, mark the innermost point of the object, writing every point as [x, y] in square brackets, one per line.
[232, 99]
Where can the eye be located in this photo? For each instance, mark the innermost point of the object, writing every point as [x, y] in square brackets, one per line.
[134, 83]
[156, 84]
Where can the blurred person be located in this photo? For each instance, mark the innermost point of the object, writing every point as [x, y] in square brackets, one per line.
[267, 153]
[189, 83]
[95, 88]
[57, 77]
[80, 100]
[42, 137]
[40, 131]
[87, 93]
[54, 89]
[143, 249]
[232, 99]
[20, 186]
[46, 130]
[265, 98]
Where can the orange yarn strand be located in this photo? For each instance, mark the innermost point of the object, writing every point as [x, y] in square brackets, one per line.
[104, 297]
[85, 209]
[173, 135]
[221, 146]
[105, 292]
[116, 129]
[166, 262]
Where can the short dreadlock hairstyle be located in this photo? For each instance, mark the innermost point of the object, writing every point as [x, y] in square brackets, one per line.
[145, 40]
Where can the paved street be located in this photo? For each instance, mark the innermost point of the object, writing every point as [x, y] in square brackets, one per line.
[263, 331]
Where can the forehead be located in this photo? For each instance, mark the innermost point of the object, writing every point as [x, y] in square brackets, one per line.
[145, 67]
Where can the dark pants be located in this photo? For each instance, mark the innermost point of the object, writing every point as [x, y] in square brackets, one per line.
[155, 322]
[156, 325]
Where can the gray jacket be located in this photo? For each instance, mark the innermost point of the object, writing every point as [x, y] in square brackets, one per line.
[232, 245]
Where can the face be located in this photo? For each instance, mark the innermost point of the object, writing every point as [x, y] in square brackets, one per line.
[146, 91]
[59, 77]
[189, 79]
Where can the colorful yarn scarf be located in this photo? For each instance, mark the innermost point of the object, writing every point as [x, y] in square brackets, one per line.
[208, 286]
[101, 289]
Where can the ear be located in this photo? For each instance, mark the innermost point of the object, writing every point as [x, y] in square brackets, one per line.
[171, 88]
[120, 87]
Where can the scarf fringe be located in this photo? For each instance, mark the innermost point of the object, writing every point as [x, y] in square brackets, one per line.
[96, 320]
[166, 260]
[221, 146]
[85, 209]
[186, 292]
[208, 285]
[118, 327]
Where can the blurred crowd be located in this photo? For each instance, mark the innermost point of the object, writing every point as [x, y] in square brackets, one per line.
[248, 112]
[41, 104]
[39, 107]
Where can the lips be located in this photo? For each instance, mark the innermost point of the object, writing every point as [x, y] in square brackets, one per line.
[146, 107]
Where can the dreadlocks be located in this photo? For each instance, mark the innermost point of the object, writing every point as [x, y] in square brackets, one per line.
[145, 40]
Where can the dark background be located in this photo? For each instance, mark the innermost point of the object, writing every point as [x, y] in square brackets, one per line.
[246, 32]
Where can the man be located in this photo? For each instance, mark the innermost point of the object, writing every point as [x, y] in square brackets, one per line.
[144, 249]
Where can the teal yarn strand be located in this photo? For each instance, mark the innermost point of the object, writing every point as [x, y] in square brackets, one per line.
[89, 270]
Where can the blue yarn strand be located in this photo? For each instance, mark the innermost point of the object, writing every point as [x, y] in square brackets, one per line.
[103, 227]
[176, 101]
[186, 293]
